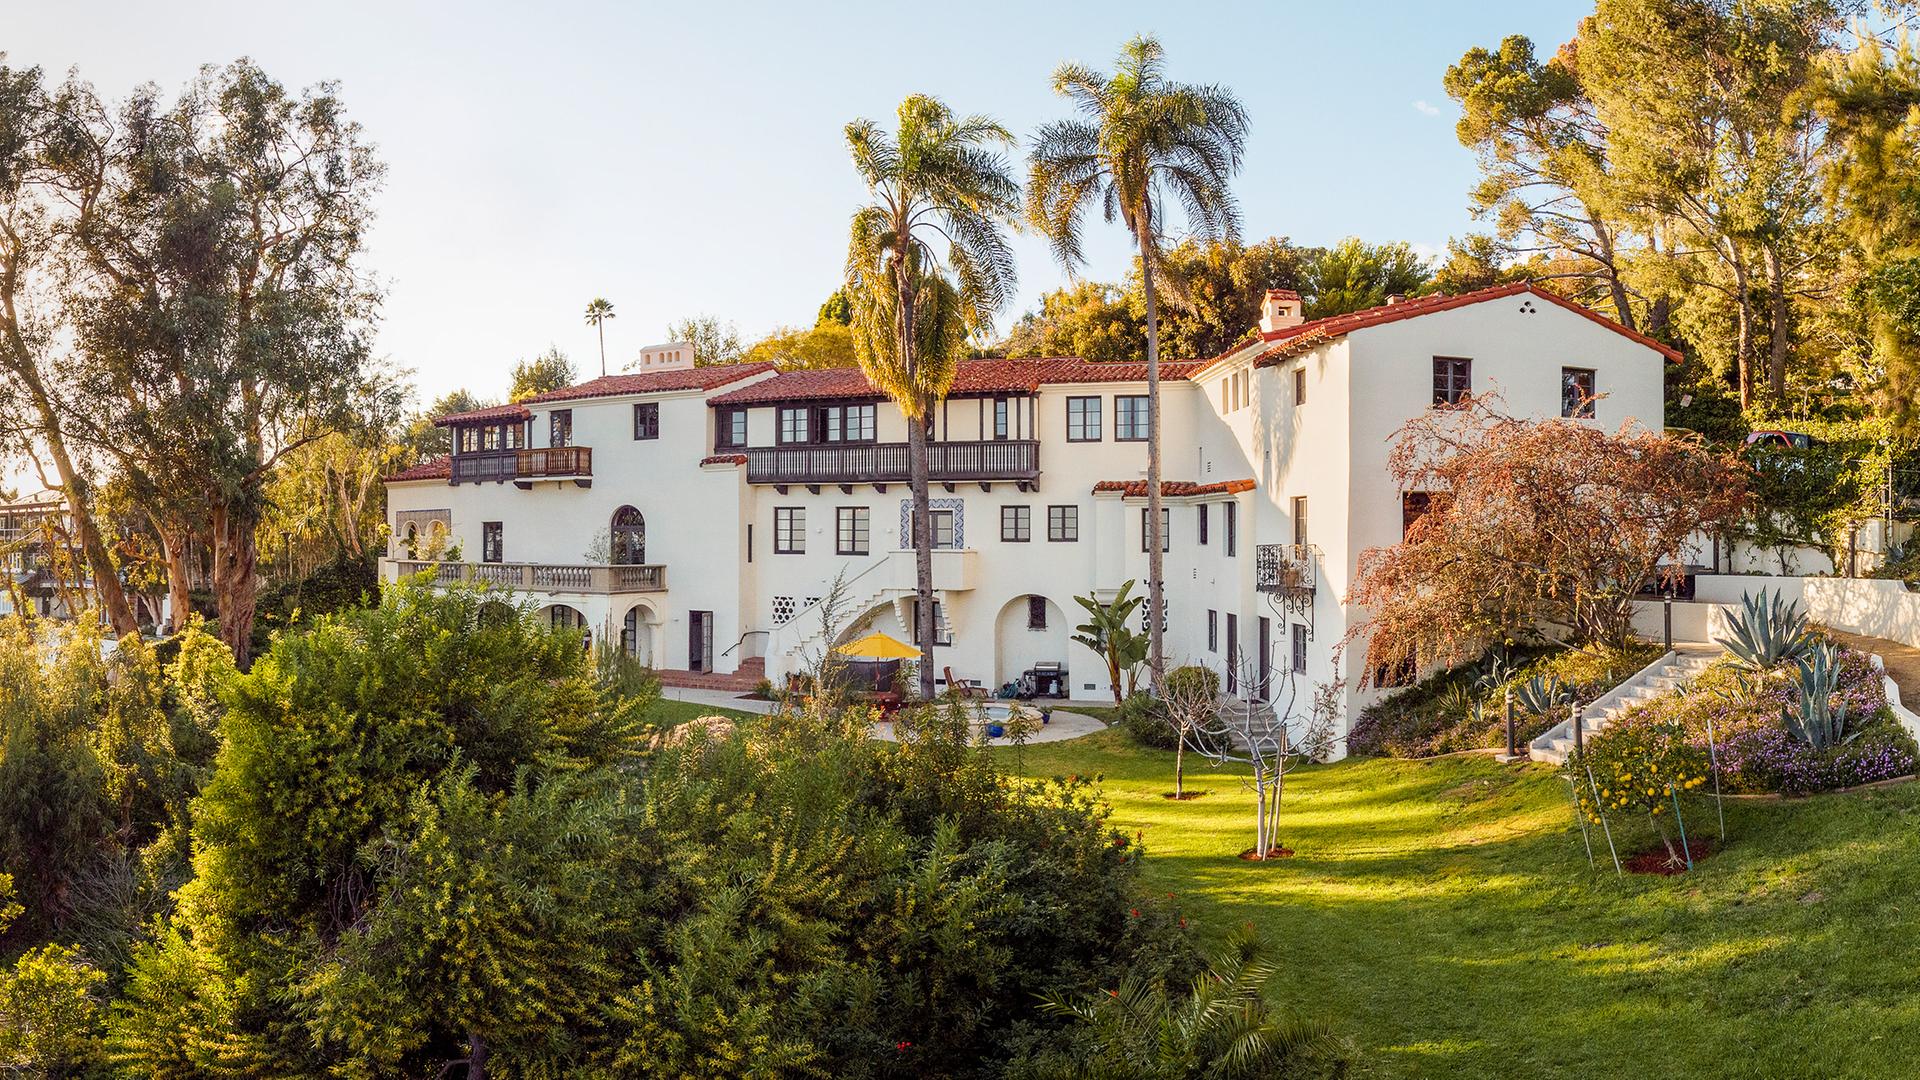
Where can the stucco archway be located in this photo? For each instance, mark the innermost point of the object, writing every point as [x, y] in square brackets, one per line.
[561, 616]
[1029, 630]
[639, 634]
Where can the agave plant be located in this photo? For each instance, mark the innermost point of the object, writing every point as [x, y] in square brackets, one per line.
[1766, 632]
[1542, 694]
[1818, 721]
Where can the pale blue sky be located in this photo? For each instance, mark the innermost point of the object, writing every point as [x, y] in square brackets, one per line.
[687, 158]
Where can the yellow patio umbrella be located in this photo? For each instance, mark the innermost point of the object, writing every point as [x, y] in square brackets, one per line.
[878, 646]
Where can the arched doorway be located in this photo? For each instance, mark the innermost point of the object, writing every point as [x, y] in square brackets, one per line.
[636, 633]
[562, 617]
[1030, 631]
[629, 537]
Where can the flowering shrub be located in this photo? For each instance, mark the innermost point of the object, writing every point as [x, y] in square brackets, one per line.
[1755, 751]
[1638, 764]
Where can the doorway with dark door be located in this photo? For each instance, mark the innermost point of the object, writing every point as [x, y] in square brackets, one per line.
[699, 641]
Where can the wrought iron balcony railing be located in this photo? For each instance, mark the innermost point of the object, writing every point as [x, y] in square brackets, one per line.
[1285, 568]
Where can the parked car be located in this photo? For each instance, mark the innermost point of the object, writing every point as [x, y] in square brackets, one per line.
[1782, 440]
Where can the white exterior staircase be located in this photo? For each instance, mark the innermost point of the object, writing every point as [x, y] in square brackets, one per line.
[1663, 676]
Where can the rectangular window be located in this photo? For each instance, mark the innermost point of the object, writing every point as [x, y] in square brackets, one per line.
[1300, 386]
[941, 523]
[469, 440]
[860, 423]
[1130, 417]
[793, 425]
[1213, 631]
[1203, 523]
[1452, 380]
[493, 547]
[514, 435]
[1413, 506]
[729, 429]
[1576, 392]
[1083, 419]
[646, 420]
[1166, 537]
[1300, 519]
[1000, 418]
[789, 530]
[560, 428]
[1299, 647]
[1036, 613]
[490, 437]
[1016, 524]
[1230, 538]
[1063, 524]
[852, 527]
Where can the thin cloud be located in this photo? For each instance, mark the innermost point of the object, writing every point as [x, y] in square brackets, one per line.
[1427, 107]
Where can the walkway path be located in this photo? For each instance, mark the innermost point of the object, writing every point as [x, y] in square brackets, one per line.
[1902, 661]
[719, 699]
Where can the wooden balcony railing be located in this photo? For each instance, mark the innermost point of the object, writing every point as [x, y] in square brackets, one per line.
[880, 463]
[541, 577]
[535, 463]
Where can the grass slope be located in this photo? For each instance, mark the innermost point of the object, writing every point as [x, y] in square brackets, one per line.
[1443, 912]
[668, 713]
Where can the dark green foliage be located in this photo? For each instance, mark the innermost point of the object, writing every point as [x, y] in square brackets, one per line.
[1144, 721]
[344, 583]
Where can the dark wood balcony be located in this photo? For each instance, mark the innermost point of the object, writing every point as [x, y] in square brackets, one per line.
[523, 466]
[886, 463]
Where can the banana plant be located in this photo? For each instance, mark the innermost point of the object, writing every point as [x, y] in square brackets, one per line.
[1766, 632]
[1818, 721]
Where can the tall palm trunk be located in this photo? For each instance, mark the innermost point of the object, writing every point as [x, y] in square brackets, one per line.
[921, 524]
[1156, 657]
[602, 329]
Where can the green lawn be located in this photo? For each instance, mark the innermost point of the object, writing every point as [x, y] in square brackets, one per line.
[667, 713]
[1443, 912]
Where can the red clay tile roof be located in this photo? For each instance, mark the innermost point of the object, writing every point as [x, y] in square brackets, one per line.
[1292, 341]
[1172, 489]
[439, 468]
[991, 376]
[491, 412]
[724, 459]
[654, 382]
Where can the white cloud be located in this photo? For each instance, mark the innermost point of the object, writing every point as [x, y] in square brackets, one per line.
[1427, 107]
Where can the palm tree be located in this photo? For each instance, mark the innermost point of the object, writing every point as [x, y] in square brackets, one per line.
[927, 263]
[598, 312]
[1223, 1026]
[1139, 141]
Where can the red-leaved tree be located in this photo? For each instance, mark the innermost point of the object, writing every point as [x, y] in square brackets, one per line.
[1530, 525]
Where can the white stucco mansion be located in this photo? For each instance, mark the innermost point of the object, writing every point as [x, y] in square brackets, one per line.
[697, 514]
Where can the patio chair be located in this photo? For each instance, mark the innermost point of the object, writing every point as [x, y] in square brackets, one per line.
[965, 690]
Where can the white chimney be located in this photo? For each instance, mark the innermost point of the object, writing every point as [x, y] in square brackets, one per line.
[1279, 309]
[673, 356]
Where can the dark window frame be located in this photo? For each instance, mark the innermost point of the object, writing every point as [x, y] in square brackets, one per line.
[725, 420]
[1136, 417]
[493, 541]
[852, 530]
[1299, 509]
[789, 530]
[1299, 647]
[1581, 407]
[646, 420]
[1016, 523]
[1204, 515]
[1002, 418]
[1063, 527]
[1166, 528]
[1230, 531]
[1300, 386]
[934, 518]
[1213, 631]
[1452, 381]
[1036, 612]
[560, 427]
[1091, 423]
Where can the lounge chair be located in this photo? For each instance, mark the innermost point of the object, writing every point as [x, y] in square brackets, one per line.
[965, 690]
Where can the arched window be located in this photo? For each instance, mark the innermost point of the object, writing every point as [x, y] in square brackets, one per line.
[411, 545]
[629, 537]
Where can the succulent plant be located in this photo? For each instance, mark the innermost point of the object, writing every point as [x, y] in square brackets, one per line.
[1818, 721]
[1544, 693]
[1766, 632]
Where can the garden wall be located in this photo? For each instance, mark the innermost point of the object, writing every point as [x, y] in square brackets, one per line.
[1693, 620]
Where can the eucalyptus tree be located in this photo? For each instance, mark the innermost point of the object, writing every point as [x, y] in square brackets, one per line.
[35, 123]
[599, 310]
[1141, 141]
[218, 299]
[928, 264]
